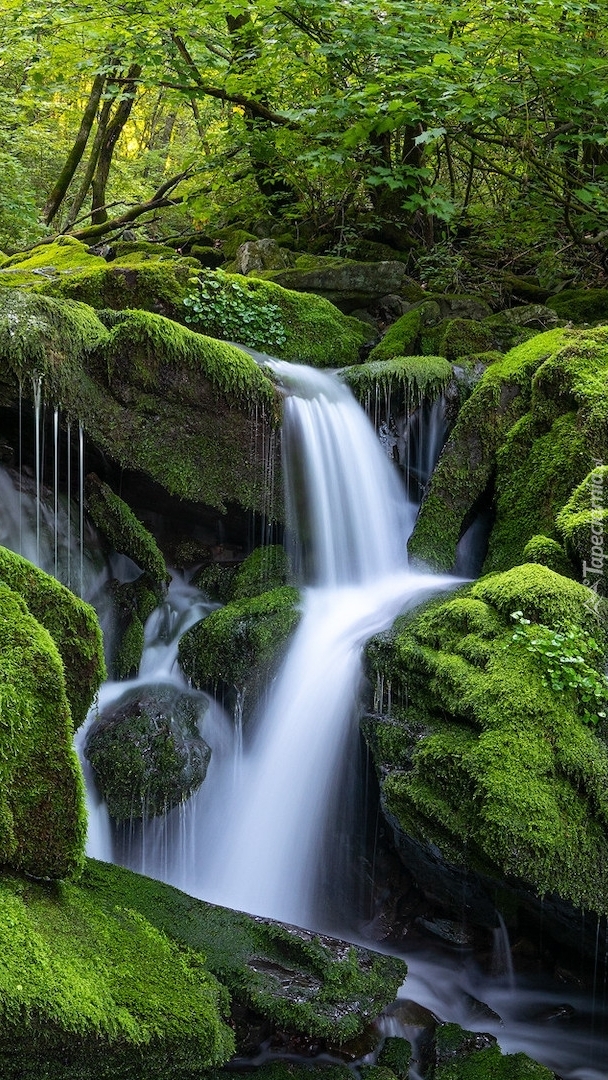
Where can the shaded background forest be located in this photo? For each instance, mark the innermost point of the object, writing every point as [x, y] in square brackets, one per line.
[469, 138]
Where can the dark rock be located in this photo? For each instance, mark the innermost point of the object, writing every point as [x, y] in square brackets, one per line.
[262, 255]
[147, 753]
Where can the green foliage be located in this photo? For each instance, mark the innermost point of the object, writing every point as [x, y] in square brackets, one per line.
[222, 308]
[99, 984]
[564, 658]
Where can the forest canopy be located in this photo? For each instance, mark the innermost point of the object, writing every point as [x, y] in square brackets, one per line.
[422, 125]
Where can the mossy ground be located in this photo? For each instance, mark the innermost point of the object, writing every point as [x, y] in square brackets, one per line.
[479, 755]
[341, 987]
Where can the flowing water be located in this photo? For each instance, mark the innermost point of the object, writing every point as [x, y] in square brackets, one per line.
[271, 829]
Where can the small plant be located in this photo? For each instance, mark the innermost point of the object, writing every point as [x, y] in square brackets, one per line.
[224, 308]
[567, 662]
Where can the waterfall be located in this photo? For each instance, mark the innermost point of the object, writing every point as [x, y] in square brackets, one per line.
[283, 849]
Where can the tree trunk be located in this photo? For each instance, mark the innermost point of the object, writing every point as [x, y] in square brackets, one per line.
[111, 137]
[83, 190]
[66, 175]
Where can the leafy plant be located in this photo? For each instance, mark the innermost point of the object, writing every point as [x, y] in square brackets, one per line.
[222, 307]
[567, 660]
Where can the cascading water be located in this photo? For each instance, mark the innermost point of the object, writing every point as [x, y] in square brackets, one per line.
[278, 852]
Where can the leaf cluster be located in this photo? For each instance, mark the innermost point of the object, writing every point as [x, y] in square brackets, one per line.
[569, 661]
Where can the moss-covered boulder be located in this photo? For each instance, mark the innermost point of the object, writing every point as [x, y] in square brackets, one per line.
[262, 315]
[485, 762]
[513, 326]
[547, 552]
[406, 381]
[403, 337]
[42, 815]
[526, 437]
[345, 282]
[71, 623]
[48, 262]
[462, 1055]
[589, 306]
[457, 338]
[583, 525]
[146, 751]
[265, 569]
[293, 980]
[237, 647]
[92, 989]
[192, 413]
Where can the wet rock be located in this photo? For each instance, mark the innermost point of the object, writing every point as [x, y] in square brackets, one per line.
[147, 753]
[448, 930]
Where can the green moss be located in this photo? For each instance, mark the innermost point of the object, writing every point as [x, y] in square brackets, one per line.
[396, 1055]
[502, 419]
[240, 642]
[231, 239]
[295, 979]
[94, 990]
[456, 338]
[266, 568]
[458, 1058]
[65, 256]
[216, 580]
[311, 330]
[42, 815]
[581, 305]
[71, 623]
[417, 378]
[129, 650]
[401, 338]
[146, 751]
[583, 524]
[151, 285]
[535, 473]
[479, 755]
[123, 531]
[193, 413]
[547, 552]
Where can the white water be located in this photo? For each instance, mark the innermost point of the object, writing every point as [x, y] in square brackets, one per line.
[279, 851]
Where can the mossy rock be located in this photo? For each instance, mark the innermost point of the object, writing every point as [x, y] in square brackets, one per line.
[133, 602]
[402, 338]
[345, 282]
[231, 239]
[216, 581]
[46, 262]
[461, 1055]
[547, 552]
[583, 524]
[527, 433]
[588, 306]
[238, 646]
[412, 379]
[71, 623]
[92, 990]
[42, 814]
[515, 325]
[479, 756]
[146, 751]
[119, 249]
[123, 531]
[457, 338]
[297, 981]
[265, 569]
[209, 257]
[290, 325]
[148, 284]
[194, 414]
